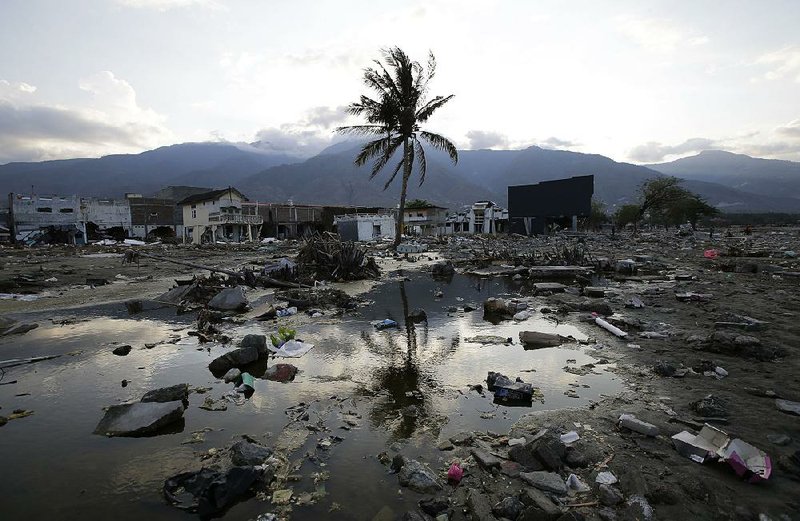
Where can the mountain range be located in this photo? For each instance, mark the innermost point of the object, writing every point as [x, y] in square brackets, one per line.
[732, 182]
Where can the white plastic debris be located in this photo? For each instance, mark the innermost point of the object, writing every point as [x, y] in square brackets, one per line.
[722, 373]
[291, 349]
[605, 478]
[570, 437]
[516, 441]
[610, 328]
[629, 421]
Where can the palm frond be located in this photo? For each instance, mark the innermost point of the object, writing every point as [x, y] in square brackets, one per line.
[397, 168]
[432, 106]
[441, 143]
[373, 148]
[362, 130]
[386, 154]
[423, 164]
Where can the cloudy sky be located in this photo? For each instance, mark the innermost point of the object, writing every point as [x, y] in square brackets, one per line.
[636, 81]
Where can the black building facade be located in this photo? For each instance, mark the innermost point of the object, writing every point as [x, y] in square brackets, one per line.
[533, 208]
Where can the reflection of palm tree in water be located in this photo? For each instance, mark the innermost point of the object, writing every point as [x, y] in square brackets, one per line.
[403, 403]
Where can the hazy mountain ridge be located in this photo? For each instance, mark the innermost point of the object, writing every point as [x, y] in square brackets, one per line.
[768, 177]
[215, 164]
[733, 182]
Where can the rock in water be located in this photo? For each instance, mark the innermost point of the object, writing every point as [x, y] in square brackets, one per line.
[236, 358]
[208, 492]
[229, 299]
[419, 477]
[173, 393]
[257, 341]
[418, 315]
[281, 373]
[246, 453]
[122, 350]
[12, 327]
[139, 419]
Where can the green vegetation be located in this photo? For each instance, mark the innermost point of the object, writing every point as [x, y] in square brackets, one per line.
[627, 214]
[417, 203]
[401, 105]
[662, 201]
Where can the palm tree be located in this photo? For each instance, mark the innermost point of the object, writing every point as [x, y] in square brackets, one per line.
[395, 115]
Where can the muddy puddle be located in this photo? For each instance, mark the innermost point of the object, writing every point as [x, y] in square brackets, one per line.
[410, 386]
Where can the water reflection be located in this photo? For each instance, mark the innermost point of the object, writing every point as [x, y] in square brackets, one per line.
[404, 382]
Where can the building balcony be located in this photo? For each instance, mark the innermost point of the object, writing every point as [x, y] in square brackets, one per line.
[234, 218]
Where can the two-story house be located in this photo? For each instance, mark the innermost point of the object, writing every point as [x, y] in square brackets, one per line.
[220, 215]
[422, 218]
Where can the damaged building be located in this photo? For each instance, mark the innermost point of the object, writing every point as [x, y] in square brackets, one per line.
[36, 219]
[154, 217]
[481, 217]
[425, 219]
[220, 215]
[106, 217]
[537, 208]
[365, 227]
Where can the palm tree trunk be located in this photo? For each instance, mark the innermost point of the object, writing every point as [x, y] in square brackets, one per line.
[402, 208]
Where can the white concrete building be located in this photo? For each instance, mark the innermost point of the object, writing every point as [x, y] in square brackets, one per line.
[365, 227]
[101, 215]
[220, 215]
[481, 217]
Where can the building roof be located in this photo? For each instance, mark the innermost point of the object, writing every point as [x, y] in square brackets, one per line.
[425, 207]
[209, 196]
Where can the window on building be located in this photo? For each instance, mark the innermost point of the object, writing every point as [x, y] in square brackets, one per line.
[66, 210]
[419, 214]
[44, 209]
[194, 214]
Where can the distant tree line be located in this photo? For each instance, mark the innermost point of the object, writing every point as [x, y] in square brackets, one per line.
[661, 201]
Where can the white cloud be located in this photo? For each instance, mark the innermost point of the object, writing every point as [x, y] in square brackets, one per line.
[16, 90]
[482, 139]
[165, 5]
[554, 142]
[658, 35]
[653, 152]
[110, 121]
[791, 129]
[306, 137]
[782, 63]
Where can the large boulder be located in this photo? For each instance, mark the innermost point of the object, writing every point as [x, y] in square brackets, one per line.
[229, 299]
[236, 358]
[257, 341]
[139, 419]
[209, 492]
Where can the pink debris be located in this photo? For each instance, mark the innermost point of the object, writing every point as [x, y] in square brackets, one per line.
[711, 254]
[455, 473]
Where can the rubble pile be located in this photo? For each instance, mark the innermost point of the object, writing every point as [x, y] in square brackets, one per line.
[326, 257]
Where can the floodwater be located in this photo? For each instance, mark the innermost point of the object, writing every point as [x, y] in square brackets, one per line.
[53, 467]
